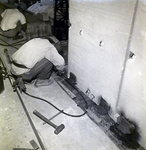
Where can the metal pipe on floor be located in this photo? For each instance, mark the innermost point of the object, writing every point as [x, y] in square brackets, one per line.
[23, 105]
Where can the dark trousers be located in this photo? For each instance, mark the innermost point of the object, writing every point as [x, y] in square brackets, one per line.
[41, 70]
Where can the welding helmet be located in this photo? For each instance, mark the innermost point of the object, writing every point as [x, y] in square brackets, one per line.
[22, 6]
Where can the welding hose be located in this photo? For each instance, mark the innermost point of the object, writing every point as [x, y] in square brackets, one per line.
[65, 113]
[57, 107]
[54, 106]
[44, 99]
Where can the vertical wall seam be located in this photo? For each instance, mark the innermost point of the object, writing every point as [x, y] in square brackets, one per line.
[127, 54]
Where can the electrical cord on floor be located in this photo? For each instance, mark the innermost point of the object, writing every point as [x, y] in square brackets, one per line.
[8, 75]
[55, 106]
[12, 45]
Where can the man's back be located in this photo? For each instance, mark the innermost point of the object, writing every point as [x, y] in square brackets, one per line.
[33, 51]
[10, 19]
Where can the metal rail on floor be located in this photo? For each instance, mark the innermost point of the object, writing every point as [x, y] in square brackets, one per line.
[23, 105]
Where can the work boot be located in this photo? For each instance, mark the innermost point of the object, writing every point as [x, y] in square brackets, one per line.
[45, 82]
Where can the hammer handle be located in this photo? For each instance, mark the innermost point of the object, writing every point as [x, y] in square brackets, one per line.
[44, 118]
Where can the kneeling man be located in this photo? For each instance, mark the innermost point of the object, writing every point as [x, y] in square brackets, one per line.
[35, 60]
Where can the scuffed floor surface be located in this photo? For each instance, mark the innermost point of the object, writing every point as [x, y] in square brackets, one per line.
[16, 131]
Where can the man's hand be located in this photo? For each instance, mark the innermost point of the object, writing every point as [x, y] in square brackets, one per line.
[20, 84]
[62, 73]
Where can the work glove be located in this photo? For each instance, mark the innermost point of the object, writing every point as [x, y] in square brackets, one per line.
[20, 84]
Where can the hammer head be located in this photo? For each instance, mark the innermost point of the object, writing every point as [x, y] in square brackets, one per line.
[59, 129]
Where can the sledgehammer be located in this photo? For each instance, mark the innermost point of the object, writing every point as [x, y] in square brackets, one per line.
[58, 129]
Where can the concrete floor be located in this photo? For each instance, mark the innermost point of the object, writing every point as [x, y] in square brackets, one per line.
[16, 130]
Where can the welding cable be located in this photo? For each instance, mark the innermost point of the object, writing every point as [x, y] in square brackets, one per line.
[13, 44]
[7, 44]
[48, 101]
[54, 106]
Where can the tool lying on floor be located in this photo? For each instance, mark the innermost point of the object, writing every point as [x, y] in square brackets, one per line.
[54, 116]
[58, 129]
[34, 145]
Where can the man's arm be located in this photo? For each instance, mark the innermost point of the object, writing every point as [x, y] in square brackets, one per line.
[24, 27]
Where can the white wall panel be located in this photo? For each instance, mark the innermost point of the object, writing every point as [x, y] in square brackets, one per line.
[98, 41]
[133, 95]
[95, 23]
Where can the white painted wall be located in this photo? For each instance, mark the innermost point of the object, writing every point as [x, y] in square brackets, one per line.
[98, 39]
[133, 94]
